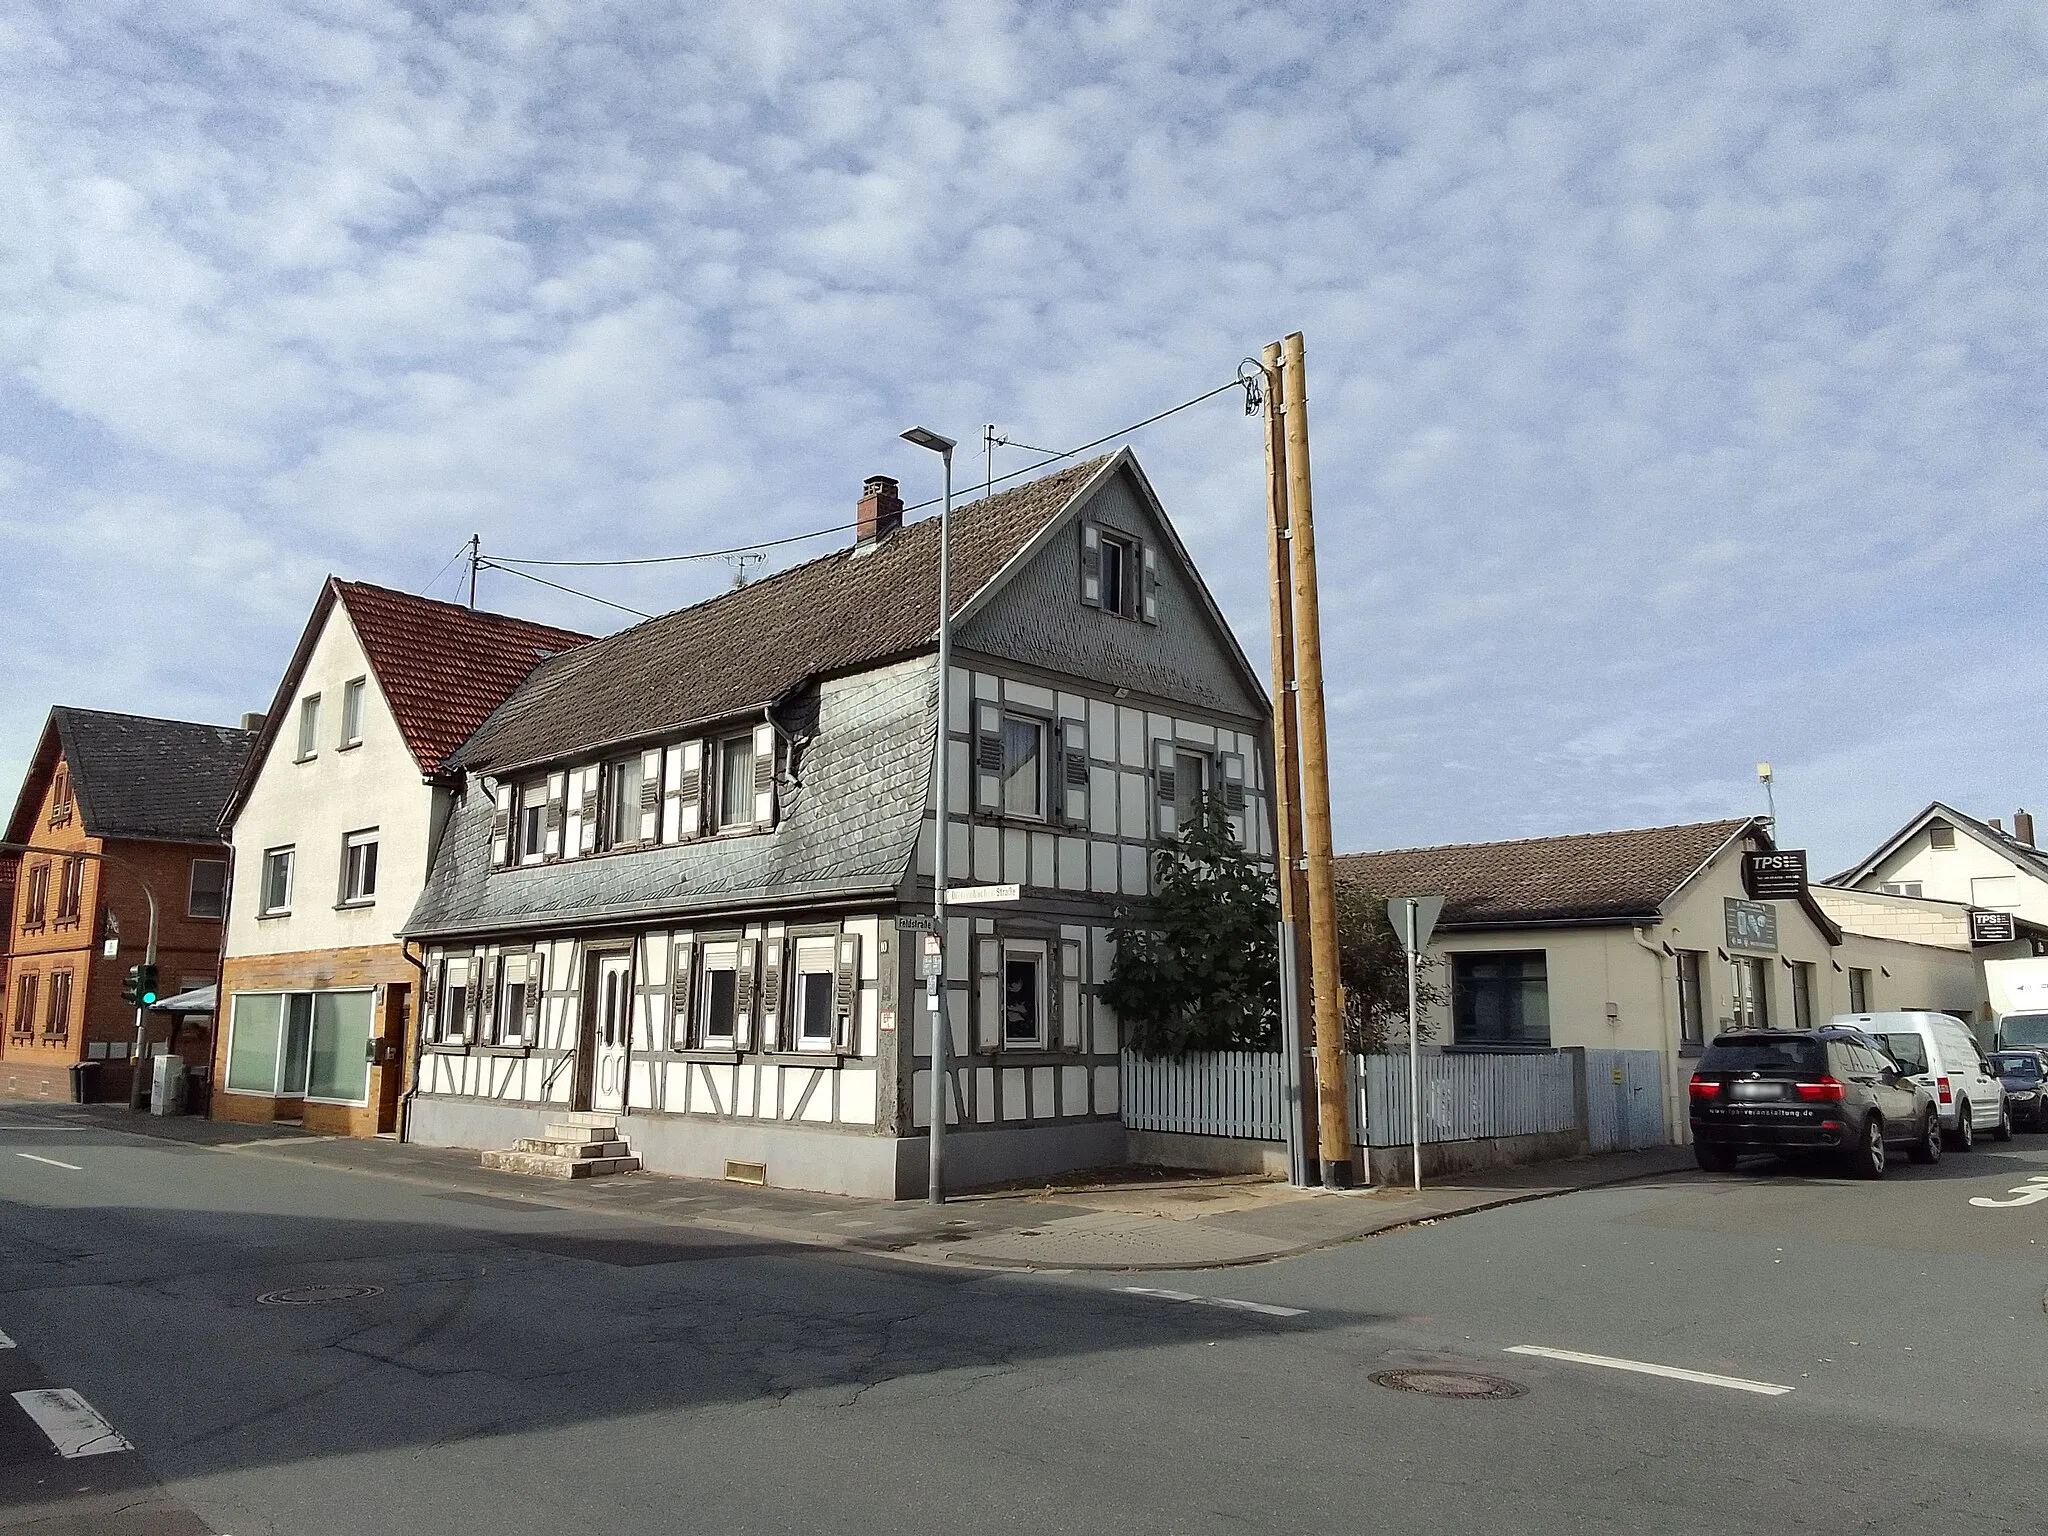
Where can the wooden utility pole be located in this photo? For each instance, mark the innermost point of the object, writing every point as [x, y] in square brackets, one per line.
[1287, 776]
[1333, 1106]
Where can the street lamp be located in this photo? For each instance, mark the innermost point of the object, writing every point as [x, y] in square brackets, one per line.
[935, 986]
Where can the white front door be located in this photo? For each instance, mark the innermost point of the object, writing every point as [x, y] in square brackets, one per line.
[608, 1037]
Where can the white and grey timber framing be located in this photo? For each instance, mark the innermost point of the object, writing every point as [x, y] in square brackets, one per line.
[687, 914]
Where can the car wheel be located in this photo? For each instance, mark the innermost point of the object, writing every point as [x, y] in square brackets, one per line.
[1713, 1159]
[1964, 1136]
[2003, 1130]
[1867, 1160]
[1928, 1148]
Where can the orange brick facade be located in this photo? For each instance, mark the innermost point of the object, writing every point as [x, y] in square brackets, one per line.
[384, 966]
[38, 1052]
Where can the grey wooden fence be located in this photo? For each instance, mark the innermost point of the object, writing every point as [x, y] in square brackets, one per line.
[1213, 1093]
[1624, 1100]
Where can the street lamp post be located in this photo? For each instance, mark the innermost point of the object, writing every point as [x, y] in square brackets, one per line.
[935, 986]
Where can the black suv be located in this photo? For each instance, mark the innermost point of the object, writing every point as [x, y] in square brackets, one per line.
[1789, 1091]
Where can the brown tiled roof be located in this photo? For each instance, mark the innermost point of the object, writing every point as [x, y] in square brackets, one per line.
[746, 648]
[1591, 877]
[444, 668]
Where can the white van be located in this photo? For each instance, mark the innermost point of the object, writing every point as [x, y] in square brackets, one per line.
[1940, 1051]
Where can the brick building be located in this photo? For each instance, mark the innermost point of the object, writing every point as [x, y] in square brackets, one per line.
[333, 825]
[111, 803]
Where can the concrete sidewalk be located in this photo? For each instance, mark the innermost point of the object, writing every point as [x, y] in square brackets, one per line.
[1126, 1220]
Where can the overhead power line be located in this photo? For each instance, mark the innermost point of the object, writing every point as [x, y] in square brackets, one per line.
[507, 562]
[488, 564]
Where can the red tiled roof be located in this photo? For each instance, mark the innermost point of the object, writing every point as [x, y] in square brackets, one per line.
[444, 668]
[1592, 877]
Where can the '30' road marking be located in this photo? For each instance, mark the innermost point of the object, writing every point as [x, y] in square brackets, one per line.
[2033, 1192]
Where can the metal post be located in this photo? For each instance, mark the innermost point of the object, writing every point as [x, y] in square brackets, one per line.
[476, 558]
[1414, 1054]
[937, 996]
[1332, 1081]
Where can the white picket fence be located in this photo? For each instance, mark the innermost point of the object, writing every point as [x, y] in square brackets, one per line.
[1466, 1096]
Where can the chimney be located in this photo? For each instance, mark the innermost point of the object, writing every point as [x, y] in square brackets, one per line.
[1998, 826]
[880, 513]
[252, 721]
[2023, 827]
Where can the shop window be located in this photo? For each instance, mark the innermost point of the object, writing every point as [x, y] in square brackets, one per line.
[310, 1045]
[1500, 998]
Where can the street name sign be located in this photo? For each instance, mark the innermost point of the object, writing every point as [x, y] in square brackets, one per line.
[917, 922]
[979, 895]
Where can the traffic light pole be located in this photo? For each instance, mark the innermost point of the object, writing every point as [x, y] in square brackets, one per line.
[135, 1090]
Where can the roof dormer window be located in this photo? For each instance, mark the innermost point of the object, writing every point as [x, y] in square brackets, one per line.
[1941, 834]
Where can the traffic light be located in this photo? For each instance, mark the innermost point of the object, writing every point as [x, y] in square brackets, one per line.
[139, 987]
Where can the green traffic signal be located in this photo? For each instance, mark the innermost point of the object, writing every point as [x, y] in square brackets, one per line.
[139, 986]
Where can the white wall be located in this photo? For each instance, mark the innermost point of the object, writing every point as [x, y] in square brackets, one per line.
[1945, 874]
[313, 805]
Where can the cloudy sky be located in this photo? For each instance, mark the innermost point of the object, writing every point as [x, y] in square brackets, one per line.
[1677, 372]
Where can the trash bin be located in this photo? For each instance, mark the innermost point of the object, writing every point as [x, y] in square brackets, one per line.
[83, 1076]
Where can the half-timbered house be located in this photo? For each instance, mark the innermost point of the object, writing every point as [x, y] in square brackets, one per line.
[671, 888]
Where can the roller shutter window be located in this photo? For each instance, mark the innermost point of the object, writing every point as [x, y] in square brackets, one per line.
[846, 994]
[764, 775]
[558, 790]
[1068, 995]
[1150, 585]
[988, 758]
[682, 980]
[1165, 792]
[988, 994]
[1091, 565]
[690, 792]
[1073, 774]
[501, 828]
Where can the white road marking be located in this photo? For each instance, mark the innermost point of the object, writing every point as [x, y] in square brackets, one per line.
[2034, 1191]
[6, 1342]
[51, 1161]
[1264, 1309]
[73, 1425]
[1643, 1367]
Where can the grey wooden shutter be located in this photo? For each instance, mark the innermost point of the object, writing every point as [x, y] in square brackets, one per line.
[1150, 565]
[472, 999]
[846, 993]
[988, 758]
[744, 986]
[430, 1005]
[536, 979]
[671, 795]
[650, 795]
[690, 792]
[1091, 565]
[558, 786]
[501, 828]
[1073, 773]
[1164, 787]
[681, 991]
[487, 993]
[988, 995]
[764, 775]
[587, 808]
[774, 1036]
[1067, 992]
[1230, 789]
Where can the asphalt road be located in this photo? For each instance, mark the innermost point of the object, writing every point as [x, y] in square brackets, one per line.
[513, 1369]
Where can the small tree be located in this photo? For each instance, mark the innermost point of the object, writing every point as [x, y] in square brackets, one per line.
[1203, 972]
[1374, 968]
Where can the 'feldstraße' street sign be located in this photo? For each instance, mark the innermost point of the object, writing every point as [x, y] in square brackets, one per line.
[978, 895]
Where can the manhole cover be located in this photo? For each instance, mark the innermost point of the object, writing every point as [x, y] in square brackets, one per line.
[318, 1295]
[1448, 1383]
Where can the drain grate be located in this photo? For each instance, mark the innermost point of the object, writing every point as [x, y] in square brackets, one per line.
[1469, 1384]
[318, 1295]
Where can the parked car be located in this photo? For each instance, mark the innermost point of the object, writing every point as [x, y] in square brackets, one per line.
[1789, 1091]
[1939, 1049]
[2024, 1075]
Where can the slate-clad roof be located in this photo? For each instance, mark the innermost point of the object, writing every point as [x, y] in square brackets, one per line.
[847, 824]
[747, 648]
[134, 776]
[444, 668]
[1592, 877]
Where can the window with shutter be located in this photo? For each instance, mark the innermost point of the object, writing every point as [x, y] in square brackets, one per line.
[1073, 773]
[1091, 565]
[501, 828]
[735, 782]
[988, 758]
[1024, 994]
[764, 775]
[813, 995]
[988, 995]
[1165, 791]
[1150, 599]
[846, 994]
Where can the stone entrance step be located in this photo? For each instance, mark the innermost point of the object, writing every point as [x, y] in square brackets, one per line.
[577, 1145]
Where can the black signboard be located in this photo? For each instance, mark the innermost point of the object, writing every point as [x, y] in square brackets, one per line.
[1779, 876]
[1750, 924]
[1992, 928]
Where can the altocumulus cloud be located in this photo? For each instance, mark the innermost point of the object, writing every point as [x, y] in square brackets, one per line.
[1675, 370]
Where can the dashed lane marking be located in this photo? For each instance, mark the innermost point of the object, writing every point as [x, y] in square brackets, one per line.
[1264, 1309]
[1645, 1368]
[6, 1342]
[51, 1161]
[74, 1426]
